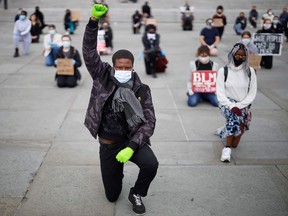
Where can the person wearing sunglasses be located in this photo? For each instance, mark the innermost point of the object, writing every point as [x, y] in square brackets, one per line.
[236, 89]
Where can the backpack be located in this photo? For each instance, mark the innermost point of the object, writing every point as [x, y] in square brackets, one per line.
[226, 75]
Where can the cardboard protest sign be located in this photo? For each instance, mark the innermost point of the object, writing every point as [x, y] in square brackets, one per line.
[101, 44]
[76, 15]
[268, 44]
[218, 22]
[151, 21]
[204, 81]
[254, 61]
[65, 67]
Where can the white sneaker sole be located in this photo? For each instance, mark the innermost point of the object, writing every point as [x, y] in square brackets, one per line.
[225, 159]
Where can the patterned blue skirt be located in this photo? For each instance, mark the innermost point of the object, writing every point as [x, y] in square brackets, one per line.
[233, 121]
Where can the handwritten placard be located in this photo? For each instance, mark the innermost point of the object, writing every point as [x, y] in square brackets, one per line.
[65, 67]
[76, 15]
[218, 22]
[268, 43]
[151, 21]
[254, 61]
[204, 81]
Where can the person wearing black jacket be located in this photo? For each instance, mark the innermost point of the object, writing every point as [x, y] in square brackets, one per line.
[240, 23]
[68, 51]
[151, 41]
[35, 29]
[121, 115]
[266, 61]
[253, 16]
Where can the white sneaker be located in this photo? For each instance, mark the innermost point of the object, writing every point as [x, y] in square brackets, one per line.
[218, 130]
[226, 155]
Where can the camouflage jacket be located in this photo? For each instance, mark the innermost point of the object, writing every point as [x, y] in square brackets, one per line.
[103, 87]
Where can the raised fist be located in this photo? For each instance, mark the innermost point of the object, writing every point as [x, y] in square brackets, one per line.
[98, 10]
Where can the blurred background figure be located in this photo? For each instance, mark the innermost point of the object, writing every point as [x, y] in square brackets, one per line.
[108, 37]
[222, 18]
[35, 28]
[253, 17]
[146, 10]
[187, 19]
[269, 15]
[69, 24]
[277, 27]
[266, 61]
[18, 14]
[136, 22]
[284, 21]
[40, 17]
[52, 42]
[240, 23]
[209, 36]
[21, 33]
[151, 43]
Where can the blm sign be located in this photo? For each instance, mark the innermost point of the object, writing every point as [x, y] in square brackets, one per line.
[268, 43]
[204, 81]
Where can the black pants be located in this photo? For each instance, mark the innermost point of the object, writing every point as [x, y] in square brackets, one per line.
[112, 170]
[220, 31]
[66, 81]
[267, 62]
[252, 22]
[150, 62]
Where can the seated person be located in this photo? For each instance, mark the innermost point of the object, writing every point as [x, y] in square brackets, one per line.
[52, 42]
[202, 63]
[240, 23]
[209, 36]
[69, 52]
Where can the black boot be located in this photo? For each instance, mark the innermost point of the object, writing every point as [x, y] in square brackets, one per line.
[16, 54]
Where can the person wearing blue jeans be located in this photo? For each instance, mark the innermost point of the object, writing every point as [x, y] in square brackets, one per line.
[202, 63]
[240, 23]
[52, 42]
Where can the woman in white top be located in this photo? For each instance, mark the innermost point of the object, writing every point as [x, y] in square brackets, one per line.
[202, 63]
[235, 92]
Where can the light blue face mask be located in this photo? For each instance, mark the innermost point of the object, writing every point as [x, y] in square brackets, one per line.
[22, 17]
[52, 31]
[123, 76]
[245, 41]
[66, 44]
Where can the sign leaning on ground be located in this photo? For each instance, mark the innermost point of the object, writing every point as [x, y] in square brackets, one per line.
[268, 43]
[204, 81]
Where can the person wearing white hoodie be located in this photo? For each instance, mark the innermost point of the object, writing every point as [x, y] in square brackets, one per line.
[236, 90]
[21, 33]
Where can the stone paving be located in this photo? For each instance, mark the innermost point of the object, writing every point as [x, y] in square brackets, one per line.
[49, 163]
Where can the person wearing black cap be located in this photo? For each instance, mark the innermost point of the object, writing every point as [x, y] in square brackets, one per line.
[121, 114]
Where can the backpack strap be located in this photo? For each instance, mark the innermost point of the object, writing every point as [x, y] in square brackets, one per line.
[225, 73]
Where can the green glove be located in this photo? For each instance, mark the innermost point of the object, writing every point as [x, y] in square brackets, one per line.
[99, 10]
[124, 155]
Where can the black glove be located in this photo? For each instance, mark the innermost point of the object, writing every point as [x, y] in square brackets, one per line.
[236, 111]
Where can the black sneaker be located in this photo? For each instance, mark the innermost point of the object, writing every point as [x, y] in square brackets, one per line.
[138, 206]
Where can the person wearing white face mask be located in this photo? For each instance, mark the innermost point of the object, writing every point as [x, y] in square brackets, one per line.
[21, 32]
[277, 27]
[202, 63]
[52, 42]
[151, 41]
[68, 52]
[269, 15]
[246, 40]
[121, 115]
[266, 61]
